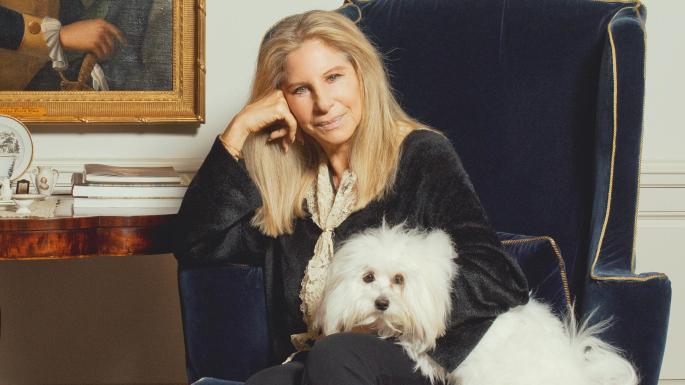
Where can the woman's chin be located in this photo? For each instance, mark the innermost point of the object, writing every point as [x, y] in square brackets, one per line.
[336, 143]
[334, 138]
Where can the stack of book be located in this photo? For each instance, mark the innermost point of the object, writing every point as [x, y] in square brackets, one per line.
[101, 186]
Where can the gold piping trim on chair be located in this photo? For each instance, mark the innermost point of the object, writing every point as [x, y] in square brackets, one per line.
[639, 164]
[560, 261]
[611, 171]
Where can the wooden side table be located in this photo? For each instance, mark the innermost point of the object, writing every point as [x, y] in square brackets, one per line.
[67, 236]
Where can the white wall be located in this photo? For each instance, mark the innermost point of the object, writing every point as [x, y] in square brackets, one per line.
[116, 320]
[664, 136]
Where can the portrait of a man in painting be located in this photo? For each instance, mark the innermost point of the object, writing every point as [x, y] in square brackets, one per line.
[100, 45]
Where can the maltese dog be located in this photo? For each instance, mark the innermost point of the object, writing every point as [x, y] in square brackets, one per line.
[396, 282]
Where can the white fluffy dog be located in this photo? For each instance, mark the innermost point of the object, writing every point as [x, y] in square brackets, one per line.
[397, 282]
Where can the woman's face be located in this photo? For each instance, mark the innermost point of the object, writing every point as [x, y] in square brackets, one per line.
[323, 92]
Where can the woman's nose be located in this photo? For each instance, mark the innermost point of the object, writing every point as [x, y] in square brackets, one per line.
[323, 103]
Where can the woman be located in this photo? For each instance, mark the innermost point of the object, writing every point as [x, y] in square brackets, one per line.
[328, 152]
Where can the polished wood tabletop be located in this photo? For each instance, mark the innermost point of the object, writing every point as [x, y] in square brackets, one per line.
[106, 231]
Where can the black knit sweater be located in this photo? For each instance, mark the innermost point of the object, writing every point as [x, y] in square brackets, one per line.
[431, 190]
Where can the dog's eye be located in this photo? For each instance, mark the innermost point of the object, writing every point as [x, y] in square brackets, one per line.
[398, 279]
[368, 277]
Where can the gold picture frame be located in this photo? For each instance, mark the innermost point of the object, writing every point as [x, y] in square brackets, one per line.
[184, 102]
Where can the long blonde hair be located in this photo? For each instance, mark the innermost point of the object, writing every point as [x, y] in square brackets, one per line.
[283, 178]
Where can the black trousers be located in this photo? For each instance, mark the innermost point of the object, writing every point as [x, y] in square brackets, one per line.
[345, 359]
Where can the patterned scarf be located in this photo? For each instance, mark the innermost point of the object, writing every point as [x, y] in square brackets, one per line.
[329, 209]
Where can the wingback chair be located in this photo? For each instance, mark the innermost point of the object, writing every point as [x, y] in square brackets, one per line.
[543, 101]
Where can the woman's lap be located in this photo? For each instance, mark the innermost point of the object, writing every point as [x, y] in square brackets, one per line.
[345, 358]
[286, 374]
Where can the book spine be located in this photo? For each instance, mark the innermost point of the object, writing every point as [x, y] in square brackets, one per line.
[127, 202]
[130, 179]
[127, 192]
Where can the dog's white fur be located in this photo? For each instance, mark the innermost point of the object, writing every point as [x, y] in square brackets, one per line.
[527, 345]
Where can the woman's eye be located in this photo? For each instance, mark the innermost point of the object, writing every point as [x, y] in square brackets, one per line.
[300, 90]
[333, 77]
[368, 277]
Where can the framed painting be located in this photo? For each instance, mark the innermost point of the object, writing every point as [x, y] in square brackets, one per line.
[118, 61]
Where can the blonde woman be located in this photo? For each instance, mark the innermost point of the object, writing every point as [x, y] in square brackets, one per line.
[321, 151]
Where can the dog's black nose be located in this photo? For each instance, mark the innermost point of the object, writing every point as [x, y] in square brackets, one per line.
[382, 304]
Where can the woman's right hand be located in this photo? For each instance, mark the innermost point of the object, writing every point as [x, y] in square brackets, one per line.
[269, 111]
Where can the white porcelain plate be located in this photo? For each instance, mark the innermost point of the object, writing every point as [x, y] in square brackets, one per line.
[16, 139]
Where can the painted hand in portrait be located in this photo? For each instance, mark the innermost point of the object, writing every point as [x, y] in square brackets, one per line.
[106, 45]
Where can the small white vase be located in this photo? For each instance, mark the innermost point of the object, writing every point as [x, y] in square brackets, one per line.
[45, 178]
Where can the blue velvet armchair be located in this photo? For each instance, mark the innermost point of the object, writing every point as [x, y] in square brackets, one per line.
[543, 101]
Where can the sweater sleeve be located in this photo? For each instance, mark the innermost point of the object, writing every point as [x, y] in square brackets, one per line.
[213, 224]
[12, 28]
[23, 33]
[489, 281]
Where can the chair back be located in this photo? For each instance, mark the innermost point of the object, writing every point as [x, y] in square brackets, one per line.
[525, 91]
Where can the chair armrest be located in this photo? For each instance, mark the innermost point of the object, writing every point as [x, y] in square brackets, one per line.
[618, 138]
[542, 263]
[638, 306]
[223, 309]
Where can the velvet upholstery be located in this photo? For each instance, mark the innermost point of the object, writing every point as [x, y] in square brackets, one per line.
[224, 321]
[543, 99]
[543, 265]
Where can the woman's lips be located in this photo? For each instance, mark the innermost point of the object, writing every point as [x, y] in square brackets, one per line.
[330, 124]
